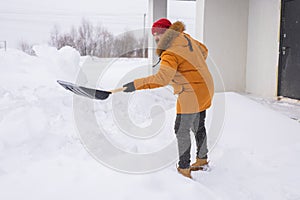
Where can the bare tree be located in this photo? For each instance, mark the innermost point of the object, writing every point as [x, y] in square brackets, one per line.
[96, 41]
[54, 36]
[142, 50]
[26, 47]
[105, 42]
[85, 40]
[124, 45]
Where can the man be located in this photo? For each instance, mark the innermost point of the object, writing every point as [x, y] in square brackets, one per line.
[183, 66]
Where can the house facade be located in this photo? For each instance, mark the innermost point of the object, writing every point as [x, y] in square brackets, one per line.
[253, 44]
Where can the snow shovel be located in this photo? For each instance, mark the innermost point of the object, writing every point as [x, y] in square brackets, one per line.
[88, 92]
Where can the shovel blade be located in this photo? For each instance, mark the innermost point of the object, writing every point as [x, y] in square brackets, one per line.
[84, 91]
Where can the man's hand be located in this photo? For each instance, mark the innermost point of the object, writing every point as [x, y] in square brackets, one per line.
[129, 87]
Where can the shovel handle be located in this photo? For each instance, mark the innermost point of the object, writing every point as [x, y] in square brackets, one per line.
[118, 90]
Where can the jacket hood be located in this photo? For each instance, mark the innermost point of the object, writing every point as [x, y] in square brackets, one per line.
[168, 37]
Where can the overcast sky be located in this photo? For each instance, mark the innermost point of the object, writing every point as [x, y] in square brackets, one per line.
[32, 20]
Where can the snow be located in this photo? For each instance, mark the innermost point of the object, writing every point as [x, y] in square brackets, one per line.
[42, 155]
[286, 106]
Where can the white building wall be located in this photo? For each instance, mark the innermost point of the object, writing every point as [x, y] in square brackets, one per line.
[243, 41]
[199, 19]
[225, 34]
[263, 47]
[156, 9]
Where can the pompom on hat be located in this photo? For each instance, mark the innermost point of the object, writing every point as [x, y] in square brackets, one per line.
[160, 26]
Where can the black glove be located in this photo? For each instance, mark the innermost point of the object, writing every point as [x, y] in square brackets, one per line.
[129, 87]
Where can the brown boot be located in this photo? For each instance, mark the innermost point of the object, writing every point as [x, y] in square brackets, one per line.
[185, 172]
[199, 164]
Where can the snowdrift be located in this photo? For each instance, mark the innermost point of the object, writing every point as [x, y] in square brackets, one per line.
[41, 155]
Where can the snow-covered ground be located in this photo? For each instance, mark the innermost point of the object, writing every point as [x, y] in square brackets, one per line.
[286, 106]
[42, 157]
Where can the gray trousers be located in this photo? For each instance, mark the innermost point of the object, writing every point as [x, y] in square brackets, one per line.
[183, 124]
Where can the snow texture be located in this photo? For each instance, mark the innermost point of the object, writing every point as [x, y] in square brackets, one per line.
[41, 156]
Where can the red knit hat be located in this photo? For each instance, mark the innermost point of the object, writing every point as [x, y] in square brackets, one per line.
[160, 26]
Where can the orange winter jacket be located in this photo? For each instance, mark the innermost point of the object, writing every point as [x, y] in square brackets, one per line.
[183, 66]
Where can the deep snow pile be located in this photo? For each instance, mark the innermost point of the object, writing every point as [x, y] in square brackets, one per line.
[32, 108]
[41, 156]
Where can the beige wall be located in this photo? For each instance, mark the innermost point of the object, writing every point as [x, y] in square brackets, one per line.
[263, 47]
[225, 34]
